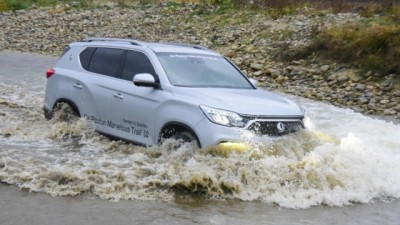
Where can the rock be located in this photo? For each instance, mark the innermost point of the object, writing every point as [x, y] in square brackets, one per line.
[363, 100]
[274, 73]
[385, 101]
[230, 53]
[324, 68]
[386, 85]
[344, 74]
[331, 77]
[256, 66]
[371, 106]
[333, 82]
[257, 73]
[396, 94]
[280, 79]
[360, 87]
[342, 78]
[389, 112]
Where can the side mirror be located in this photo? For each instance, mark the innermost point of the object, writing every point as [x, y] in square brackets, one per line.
[254, 82]
[145, 80]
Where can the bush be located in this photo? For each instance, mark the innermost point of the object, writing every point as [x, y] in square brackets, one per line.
[17, 4]
[23, 4]
[373, 45]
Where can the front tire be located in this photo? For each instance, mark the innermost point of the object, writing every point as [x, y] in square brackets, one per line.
[185, 137]
[181, 135]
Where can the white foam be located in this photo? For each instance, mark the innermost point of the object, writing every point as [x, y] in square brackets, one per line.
[343, 157]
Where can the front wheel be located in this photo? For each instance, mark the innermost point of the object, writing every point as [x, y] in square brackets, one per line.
[185, 137]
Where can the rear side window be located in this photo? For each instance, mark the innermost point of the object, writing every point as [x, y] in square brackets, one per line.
[105, 61]
[136, 62]
[85, 57]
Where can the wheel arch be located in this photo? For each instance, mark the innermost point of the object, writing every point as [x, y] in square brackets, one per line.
[70, 103]
[171, 128]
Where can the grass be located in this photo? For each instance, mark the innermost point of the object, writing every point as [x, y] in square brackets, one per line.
[373, 45]
[6, 5]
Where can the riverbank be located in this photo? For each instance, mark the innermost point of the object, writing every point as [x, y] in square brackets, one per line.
[252, 39]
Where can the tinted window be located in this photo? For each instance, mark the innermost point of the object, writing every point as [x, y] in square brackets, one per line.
[85, 57]
[136, 62]
[106, 61]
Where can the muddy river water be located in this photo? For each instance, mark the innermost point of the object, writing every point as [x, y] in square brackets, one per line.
[343, 169]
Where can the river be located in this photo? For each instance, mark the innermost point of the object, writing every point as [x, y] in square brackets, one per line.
[344, 169]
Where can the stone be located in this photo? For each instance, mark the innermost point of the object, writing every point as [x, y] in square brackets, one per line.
[325, 68]
[256, 66]
[342, 78]
[274, 73]
[280, 79]
[258, 73]
[333, 82]
[386, 83]
[389, 112]
[331, 77]
[344, 74]
[371, 106]
[360, 87]
[363, 100]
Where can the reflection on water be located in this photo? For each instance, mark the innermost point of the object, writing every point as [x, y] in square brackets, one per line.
[342, 158]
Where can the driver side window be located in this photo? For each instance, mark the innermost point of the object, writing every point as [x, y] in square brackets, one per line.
[136, 62]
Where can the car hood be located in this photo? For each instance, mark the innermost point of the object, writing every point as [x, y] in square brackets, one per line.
[243, 101]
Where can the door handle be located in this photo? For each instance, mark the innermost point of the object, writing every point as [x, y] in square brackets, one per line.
[118, 95]
[77, 85]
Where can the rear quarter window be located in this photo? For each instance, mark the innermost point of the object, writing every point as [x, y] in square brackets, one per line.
[85, 57]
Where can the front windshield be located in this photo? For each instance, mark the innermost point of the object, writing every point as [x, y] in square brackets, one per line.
[198, 70]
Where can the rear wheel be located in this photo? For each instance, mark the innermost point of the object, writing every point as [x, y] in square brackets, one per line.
[66, 112]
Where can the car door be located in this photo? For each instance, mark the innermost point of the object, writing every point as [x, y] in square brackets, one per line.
[134, 108]
[104, 67]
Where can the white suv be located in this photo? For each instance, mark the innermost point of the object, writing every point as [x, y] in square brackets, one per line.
[146, 92]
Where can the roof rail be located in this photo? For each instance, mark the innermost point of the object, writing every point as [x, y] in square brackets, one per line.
[185, 45]
[131, 41]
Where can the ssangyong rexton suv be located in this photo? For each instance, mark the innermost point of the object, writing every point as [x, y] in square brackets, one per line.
[146, 92]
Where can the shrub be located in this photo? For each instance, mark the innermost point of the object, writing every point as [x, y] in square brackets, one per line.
[373, 45]
[17, 4]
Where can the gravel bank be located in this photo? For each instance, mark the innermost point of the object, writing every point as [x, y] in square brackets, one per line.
[252, 40]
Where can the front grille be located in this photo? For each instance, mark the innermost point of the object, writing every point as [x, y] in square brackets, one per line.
[275, 128]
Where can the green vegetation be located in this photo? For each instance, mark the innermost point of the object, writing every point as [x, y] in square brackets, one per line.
[23, 4]
[373, 45]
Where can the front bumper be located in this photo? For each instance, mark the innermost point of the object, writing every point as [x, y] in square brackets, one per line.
[212, 134]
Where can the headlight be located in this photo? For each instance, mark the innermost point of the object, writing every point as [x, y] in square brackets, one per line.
[222, 117]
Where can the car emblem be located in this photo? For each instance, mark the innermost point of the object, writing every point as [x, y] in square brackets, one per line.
[281, 127]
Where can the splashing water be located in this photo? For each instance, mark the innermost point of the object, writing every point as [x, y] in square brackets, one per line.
[341, 158]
